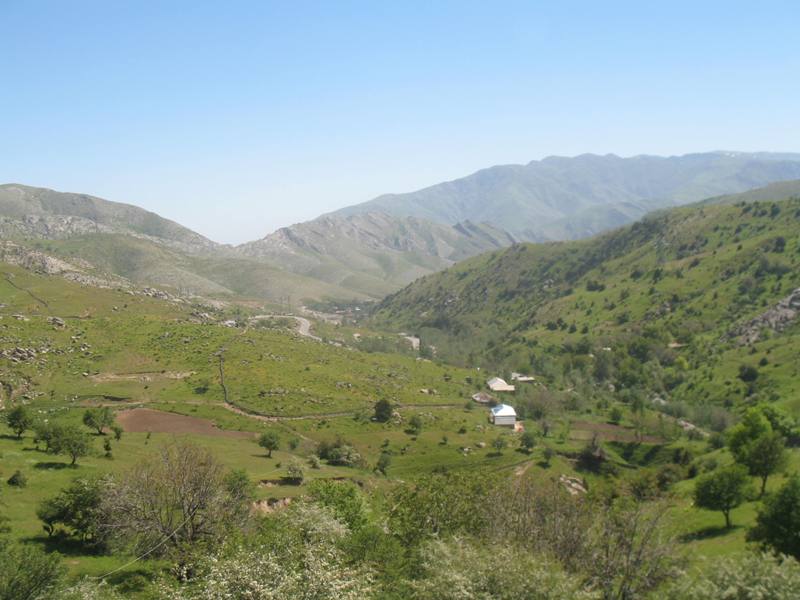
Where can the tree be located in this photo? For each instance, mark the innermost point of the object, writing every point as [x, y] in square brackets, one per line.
[69, 439]
[19, 419]
[527, 441]
[98, 419]
[778, 522]
[383, 410]
[755, 445]
[615, 416]
[181, 495]
[499, 444]
[765, 456]
[548, 455]
[294, 472]
[117, 430]
[270, 441]
[722, 490]
[77, 508]
[43, 431]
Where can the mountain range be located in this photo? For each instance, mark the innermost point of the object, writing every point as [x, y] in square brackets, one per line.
[377, 247]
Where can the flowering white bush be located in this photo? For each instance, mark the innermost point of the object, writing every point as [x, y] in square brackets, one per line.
[301, 562]
[746, 577]
[460, 570]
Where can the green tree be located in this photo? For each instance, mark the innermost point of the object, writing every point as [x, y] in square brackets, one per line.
[69, 439]
[270, 441]
[383, 410]
[615, 416]
[765, 456]
[294, 472]
[98, 419]
[527, 441]
[722, 490]
[77, 508]
[19, 419]
[755, 445]
[43, 432]
[778, 522]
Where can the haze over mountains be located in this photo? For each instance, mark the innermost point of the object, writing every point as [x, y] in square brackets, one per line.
[371, 249]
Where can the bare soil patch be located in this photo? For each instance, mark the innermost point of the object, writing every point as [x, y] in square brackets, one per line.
[142, 420]
[610, 432]
[142, 377]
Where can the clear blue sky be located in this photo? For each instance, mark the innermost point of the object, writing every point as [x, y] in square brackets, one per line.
[235, 118]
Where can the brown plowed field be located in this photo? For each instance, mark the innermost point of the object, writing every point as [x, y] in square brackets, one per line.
[141, 420]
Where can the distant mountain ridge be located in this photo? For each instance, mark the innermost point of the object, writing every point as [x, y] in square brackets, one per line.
[373, 249]
[568, 198]
[40, 212]
[374, 252]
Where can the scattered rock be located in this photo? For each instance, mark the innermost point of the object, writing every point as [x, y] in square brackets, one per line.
[777, 318]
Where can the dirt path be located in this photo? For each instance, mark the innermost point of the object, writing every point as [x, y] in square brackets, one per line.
[144, 376]
[27, 291]
[303, 324]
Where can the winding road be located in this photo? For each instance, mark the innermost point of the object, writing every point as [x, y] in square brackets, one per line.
[303, 324]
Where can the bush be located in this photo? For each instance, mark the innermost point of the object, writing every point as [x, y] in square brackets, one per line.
[457, 569]
[28, 572]
[383, 410]
[18, 479]
[745, 577]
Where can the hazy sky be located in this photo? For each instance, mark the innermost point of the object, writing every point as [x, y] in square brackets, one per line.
[235, 118]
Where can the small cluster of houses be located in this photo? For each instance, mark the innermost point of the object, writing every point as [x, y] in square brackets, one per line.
[500, 413]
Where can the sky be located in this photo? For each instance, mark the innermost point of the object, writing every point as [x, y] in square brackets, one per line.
[235, 118]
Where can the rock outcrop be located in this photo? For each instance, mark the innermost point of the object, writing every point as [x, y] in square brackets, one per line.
[777, 318]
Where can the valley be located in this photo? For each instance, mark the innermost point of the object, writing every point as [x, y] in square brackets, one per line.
[633, 355]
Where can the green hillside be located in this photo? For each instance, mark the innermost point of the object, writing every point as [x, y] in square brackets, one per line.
[648, 306]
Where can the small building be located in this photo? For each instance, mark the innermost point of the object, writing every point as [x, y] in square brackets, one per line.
[522, 378]
[499, 385]
[503, 414]
[483, 398]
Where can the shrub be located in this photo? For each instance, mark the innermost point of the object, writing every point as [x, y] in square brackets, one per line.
[18, 479]
[745, 577]
[456, 569]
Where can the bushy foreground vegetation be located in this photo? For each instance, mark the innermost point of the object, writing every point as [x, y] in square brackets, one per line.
[444, 536]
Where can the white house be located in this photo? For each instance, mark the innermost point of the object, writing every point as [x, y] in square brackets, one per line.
[522, 378]
[503, 414]
[499, 385]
